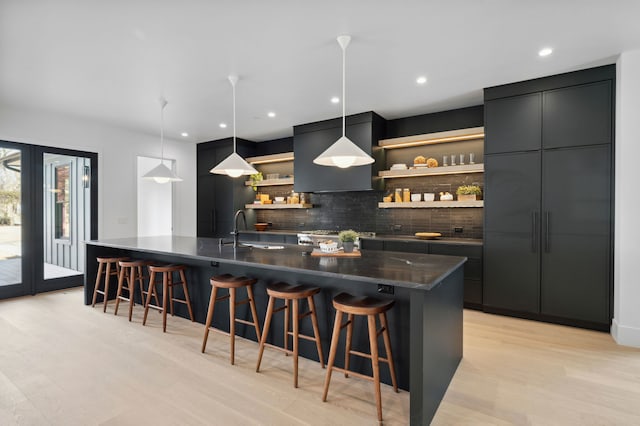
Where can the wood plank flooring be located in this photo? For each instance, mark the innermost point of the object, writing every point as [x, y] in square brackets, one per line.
[63, 363]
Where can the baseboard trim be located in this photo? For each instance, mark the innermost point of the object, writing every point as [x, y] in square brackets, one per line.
[624, 335]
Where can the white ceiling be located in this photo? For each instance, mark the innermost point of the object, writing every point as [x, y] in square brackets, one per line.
[111, 60]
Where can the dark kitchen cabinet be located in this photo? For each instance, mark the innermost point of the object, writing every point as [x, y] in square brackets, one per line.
[310, 140]
[548, 209]
[511, 240]
[472, 269]
[516, 123]
[577, 115]
[576, 243]
[218, 196]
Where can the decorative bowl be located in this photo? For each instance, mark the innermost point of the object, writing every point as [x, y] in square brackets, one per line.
[261, 226]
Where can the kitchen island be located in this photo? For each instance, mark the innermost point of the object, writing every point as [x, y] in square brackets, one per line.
[425, 323]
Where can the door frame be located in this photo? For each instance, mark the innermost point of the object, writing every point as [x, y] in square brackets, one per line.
[32, 190]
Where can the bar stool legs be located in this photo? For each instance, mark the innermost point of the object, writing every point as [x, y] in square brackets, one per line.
[292, 296]
[232, 283]
[167, 292]
[132, 272]
[107, 266]
[352, 305]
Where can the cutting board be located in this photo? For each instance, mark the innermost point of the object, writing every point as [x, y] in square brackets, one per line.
[318, 253]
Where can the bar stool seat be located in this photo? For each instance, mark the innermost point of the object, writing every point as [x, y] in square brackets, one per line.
[168, 298]
[345, 303]
[107, 267]
[291, 293]
[232, 283]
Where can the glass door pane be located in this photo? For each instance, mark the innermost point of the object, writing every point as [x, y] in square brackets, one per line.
[10, 221]
[66, 214]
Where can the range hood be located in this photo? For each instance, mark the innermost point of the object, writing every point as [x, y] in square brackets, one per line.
[310, 140]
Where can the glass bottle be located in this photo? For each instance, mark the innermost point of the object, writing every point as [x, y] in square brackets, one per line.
[406, 195]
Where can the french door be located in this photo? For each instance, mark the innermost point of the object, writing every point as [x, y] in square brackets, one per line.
[48, 207]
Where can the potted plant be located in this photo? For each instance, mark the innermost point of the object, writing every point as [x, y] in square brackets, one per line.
[468, 192]
[348, 238]
[255, 178]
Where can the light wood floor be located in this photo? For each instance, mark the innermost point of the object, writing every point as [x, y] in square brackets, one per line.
[64, 363]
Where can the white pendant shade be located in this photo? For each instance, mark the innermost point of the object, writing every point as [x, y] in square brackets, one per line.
[343, 153]
[161, 173]
[234, 166]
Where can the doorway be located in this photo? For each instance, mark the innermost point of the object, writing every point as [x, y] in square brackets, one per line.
[48, 208]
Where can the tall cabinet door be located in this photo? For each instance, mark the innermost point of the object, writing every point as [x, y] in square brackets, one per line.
[512, 224]
[576, 233]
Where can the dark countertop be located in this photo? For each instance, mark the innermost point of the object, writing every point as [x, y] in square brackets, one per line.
[394, 237]
[410, 270]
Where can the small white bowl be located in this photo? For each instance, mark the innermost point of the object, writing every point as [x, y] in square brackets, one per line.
[429, 196]
[399, 166]
[279, 199]
[416, 197]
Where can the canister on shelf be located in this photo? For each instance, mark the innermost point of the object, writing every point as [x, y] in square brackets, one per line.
[398, 197]
[406, 195]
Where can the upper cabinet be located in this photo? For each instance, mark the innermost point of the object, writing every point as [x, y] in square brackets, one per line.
[516, 123]
[578, 115]
[310, 140]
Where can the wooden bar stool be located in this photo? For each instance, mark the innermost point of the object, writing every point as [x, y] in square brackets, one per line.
[232, 283]
[291, 293]
[369, 306]
[132, 272]
[167, 291]
[107, 267]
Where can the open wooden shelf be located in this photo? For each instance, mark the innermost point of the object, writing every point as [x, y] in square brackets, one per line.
[272, 158]
[277, 206]
[431, 204]
[433, 171]
[433, 138]
[271, 182]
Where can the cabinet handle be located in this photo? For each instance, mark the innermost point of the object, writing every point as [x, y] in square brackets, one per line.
[547, 225]
[534, 231]
[213, 220]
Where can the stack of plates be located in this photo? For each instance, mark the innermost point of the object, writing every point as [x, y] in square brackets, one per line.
[399, 167]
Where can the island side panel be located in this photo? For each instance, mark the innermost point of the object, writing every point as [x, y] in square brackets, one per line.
[436, 344]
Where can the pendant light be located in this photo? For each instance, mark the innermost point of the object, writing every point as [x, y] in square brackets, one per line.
[162, 173]
[343, 153]
[234, 165]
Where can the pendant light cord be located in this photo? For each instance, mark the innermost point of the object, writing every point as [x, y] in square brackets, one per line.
[344, 101]
[163, 103]
[234, 116]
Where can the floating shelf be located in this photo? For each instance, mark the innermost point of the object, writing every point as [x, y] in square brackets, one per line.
[433, 138]
[433, 171]
[273, 158]
[277, 206]
[271, 182]
[431, 204]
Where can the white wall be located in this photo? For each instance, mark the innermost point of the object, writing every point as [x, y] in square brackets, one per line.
[626, 318]
[153, 197]
[117, 150]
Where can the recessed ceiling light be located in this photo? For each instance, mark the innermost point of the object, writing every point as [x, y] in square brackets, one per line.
[421, 80]
[335, 100]
[223, 125]
[184, 134]
[545, 52]
[271, 114]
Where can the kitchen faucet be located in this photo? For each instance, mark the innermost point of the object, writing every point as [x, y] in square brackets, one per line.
[236, 232]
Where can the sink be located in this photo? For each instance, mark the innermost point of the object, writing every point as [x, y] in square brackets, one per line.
[263, 246]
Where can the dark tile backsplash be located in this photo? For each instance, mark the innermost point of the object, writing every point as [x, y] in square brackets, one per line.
[359, 210]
